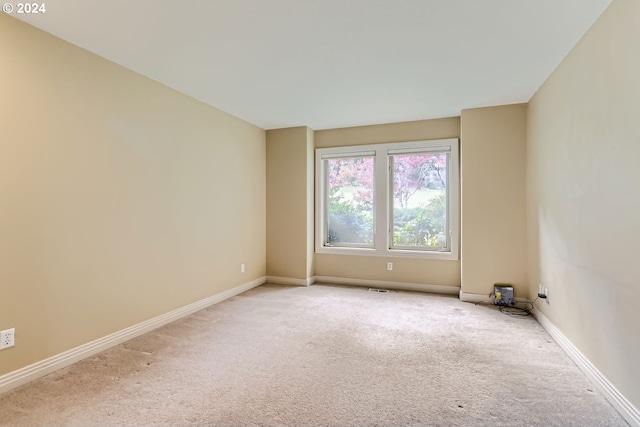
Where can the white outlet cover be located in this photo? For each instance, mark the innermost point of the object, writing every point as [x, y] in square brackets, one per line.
[7, 338]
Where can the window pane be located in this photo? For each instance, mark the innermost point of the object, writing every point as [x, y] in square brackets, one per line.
[420, 200]
[350, 201]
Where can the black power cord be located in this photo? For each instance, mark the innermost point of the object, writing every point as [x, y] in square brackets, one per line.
[518, 309]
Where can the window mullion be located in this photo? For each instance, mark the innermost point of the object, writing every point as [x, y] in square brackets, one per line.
[382, 201]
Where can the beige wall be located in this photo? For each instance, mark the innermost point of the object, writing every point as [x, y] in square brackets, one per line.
[584, 195]
[290, 202]
[393, 132]
[407, 270]
[419, 271]
[310, 202]
[493, 160]
[120, 199]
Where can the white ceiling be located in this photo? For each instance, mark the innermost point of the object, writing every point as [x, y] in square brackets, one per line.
[332, 63]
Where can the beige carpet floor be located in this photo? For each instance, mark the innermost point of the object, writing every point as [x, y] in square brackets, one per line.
[323, 356]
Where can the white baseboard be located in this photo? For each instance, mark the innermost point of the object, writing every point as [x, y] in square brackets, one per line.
[39, 369]
[468, 297]
[629, 412]
[278, 280]
[404, 286]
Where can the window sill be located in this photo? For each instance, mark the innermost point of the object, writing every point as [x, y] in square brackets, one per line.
[391, 253]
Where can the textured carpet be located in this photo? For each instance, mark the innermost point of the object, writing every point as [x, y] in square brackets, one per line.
[323, 356]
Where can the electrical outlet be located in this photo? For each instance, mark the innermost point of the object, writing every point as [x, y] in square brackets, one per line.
[7, 338]
[389, 266]
[546, 292]
[241, 268]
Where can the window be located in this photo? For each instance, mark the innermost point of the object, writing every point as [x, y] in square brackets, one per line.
[398, 199]
[350, 201]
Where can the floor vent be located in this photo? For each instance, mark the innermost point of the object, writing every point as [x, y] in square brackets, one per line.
[382, 291]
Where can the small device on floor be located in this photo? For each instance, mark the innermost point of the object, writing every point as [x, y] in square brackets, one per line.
[503, 294]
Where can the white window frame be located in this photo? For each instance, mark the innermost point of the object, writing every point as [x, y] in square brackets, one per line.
[383, 198]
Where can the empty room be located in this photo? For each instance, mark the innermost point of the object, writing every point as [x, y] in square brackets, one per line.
[320, 213]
